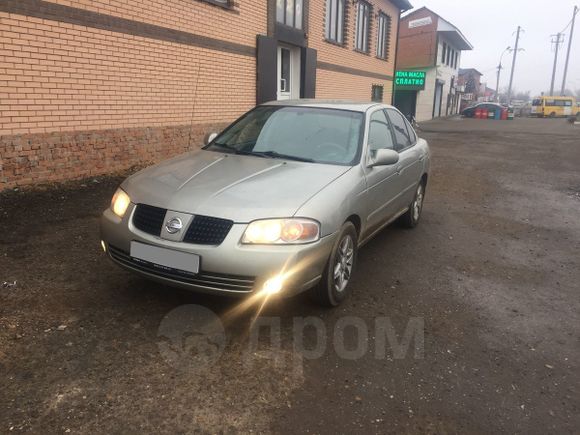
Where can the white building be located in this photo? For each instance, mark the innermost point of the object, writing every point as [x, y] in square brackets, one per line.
[431, 45]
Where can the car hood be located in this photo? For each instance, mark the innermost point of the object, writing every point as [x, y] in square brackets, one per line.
[236, 187]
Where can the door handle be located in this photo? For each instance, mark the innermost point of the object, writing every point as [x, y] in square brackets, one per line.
[399, 169]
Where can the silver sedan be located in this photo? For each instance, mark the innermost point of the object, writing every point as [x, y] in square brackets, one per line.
[277, 203]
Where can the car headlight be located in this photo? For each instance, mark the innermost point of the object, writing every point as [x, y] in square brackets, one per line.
[120, 203]
[281, 231]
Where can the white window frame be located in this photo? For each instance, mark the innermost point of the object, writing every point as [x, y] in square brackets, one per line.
[290, 20]
[334, 29]
[363, 22]
[383, 35]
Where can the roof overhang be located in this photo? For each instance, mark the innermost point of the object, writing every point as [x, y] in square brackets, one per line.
[453, 35]
[403, 5]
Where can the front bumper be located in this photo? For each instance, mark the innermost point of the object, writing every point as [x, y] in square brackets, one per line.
[229, 268]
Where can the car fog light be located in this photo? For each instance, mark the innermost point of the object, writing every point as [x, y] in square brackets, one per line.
[273, 285]
[104, 246]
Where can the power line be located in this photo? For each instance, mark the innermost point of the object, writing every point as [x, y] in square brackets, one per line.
[572, 20]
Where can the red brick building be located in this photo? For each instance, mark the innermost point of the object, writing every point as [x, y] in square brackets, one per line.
[91, 87]
[470, 81]
[432, 46]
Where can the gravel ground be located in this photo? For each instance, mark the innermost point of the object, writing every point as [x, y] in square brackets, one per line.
[487, 287]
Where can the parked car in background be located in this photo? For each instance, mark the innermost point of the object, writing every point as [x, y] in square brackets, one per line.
[279, 202]
[469, 112]
[554, 106]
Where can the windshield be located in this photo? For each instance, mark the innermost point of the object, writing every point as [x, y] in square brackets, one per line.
[537, 102]
[307, 134]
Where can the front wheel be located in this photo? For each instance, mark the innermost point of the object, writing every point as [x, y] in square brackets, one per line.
[411, 217]
[334, 286]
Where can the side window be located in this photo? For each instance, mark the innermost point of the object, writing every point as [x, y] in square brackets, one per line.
[402, 137]
[380, 132]
[412, 134]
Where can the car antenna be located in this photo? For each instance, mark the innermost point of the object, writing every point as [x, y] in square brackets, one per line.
[193, 108]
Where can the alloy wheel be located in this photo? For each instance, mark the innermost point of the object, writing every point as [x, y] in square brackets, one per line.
[418, 203]
[344, 262]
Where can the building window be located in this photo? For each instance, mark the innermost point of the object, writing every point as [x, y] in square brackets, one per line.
[456, 60]
[335, 21]
[383, 36]
[228, 4]
[289, 12]
[363, 18]
[377, 93]
[449, 54]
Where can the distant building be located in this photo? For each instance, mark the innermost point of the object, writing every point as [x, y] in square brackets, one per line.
[488, 93]
[428, 58]
[469, 80]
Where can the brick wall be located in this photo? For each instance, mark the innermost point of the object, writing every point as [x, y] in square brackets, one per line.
[57, 156]
[418, 45]
[70, 93]
[89, 87]
[334, 84]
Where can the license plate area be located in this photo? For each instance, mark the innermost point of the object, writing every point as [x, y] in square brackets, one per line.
[164, 259]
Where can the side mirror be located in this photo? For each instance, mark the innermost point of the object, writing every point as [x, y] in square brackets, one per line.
[384, 157]
[209, 137]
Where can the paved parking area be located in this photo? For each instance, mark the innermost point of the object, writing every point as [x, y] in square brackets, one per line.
[488, 288]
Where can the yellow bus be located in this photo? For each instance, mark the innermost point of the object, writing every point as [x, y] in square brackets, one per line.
[554, 106]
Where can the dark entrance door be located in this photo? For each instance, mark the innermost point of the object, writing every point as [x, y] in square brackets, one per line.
[406, 102]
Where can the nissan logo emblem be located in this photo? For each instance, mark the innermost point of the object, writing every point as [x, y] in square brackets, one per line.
[174, 225]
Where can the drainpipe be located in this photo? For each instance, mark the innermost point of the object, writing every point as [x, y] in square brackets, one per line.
[396, 53]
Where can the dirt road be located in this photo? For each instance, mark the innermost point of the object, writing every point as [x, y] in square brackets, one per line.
[488, 287]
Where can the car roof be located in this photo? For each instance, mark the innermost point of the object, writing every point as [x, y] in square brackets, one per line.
[356, 106]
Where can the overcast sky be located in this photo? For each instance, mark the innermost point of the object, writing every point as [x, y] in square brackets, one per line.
[490, 27]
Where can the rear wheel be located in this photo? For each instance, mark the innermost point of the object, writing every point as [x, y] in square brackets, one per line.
[411, 218]
[334, 286]
[553, 115]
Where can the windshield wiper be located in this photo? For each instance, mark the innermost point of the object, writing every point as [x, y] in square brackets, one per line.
[234, 150]
[276, 155]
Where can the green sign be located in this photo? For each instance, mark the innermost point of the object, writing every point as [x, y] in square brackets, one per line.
[410, 80]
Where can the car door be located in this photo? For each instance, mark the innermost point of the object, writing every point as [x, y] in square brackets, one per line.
[410, 166]
[382, 181]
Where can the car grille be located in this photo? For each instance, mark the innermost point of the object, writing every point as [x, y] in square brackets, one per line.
[149, 219]
[214, 281]
[203, 230]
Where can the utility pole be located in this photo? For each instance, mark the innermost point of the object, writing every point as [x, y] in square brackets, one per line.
[569, 48]
[499, 68]
[509, 95]
[557, 42]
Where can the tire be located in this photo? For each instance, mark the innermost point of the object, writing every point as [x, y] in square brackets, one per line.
[553, 115]
[334, 287]
[412, 216]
